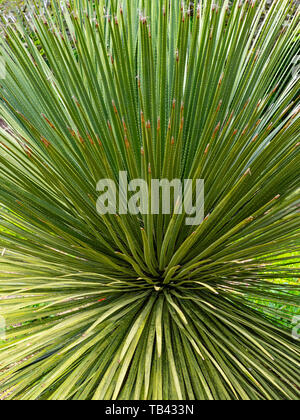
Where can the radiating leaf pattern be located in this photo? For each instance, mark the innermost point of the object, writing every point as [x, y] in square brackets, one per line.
[145, 307]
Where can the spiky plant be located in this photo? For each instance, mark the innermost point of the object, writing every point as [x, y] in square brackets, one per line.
[146, 307]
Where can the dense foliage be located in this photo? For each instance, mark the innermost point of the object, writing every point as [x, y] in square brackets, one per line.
[145, 307]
